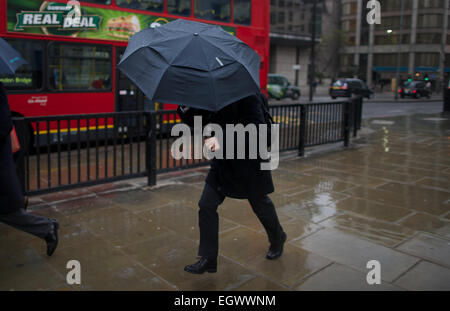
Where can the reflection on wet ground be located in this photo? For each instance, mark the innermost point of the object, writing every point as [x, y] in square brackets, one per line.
[387, 198]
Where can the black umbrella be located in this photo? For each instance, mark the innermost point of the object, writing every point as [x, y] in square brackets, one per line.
[191, 64]
[10, 59]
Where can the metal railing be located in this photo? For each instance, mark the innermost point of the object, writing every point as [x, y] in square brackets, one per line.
[64, 152]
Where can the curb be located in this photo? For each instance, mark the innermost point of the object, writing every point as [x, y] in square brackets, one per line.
[393, 101]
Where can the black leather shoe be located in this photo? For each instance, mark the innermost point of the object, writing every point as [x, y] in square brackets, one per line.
[202, 265]
[276, 250]
[52, 238]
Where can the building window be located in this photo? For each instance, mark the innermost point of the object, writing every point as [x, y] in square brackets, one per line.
[28, 76]
[392, 39]
[242, 12]
[273, 18]
[179, 7]
[390, 60]
[349, 25]
[349, 8]
[218, 10]
[281, 17]
[426, 4]
[430, 21]
[429, 38]
[427, 59]
[393, 22]
[395, 5]
[347, 60]
[146, 5]
[79, 67]
[352, 40]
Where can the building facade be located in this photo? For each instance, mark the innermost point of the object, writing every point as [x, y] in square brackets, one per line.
[290, 39]
[412, 40]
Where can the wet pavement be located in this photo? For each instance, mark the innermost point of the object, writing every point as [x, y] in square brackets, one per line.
[387, 198]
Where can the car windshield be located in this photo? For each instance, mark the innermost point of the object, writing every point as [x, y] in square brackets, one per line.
[275, 80]
[408, 83]
[339, 83]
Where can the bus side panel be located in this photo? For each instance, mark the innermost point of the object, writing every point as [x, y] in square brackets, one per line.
[2, 16]
[49, 104]
[256, 39]
[257, 36]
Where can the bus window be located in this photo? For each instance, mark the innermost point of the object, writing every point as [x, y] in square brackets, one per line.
[147, 5]
[218, 10]
[242, 12]
[28, 76]
[79, 67]
[179, 7]
[106, 2]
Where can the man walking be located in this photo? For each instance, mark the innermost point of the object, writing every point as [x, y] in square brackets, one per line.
[235, 178]
[12, 210]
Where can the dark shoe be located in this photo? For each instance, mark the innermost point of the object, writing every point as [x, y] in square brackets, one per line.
[52, 238]
[276, 250]
[202, 265]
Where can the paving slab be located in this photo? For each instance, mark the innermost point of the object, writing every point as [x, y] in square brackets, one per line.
[425, 276]
[337, 277]
[428, 247]
[355, 252]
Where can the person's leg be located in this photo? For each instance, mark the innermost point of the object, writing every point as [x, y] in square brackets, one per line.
[208, 220]
[39, 226]
[34, 224]
[265, 211]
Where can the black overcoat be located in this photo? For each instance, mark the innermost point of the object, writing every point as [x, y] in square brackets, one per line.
[11, 196]
[239, 178]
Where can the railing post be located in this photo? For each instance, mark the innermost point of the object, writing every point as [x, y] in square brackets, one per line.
[19, 157]
[302, 136]
[150, 148]
[357, 114]
[354, 111]
[346, 128]
[360, 110]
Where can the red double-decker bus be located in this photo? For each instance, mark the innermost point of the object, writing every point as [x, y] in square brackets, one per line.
[73, 48]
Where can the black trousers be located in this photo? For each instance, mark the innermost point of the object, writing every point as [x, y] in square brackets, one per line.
[209, 220]
[39, 226]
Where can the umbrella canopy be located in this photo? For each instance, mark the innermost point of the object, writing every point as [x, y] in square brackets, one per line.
[10, 59]
[191, 64]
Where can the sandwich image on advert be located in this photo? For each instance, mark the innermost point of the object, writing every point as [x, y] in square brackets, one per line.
[123, 27]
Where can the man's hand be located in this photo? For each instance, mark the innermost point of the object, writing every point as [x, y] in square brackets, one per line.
[212, 144]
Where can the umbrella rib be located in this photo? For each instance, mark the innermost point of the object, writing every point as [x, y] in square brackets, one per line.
[213, 85]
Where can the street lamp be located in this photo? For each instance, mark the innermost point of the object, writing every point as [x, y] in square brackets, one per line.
[312, 72]
[389, 31]
[397, 74]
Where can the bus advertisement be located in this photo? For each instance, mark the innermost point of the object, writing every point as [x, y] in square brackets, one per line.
[72, 61]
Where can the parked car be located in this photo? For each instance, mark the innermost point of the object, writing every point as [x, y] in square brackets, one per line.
[414, 89]
[349, 87]
[279, 87]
